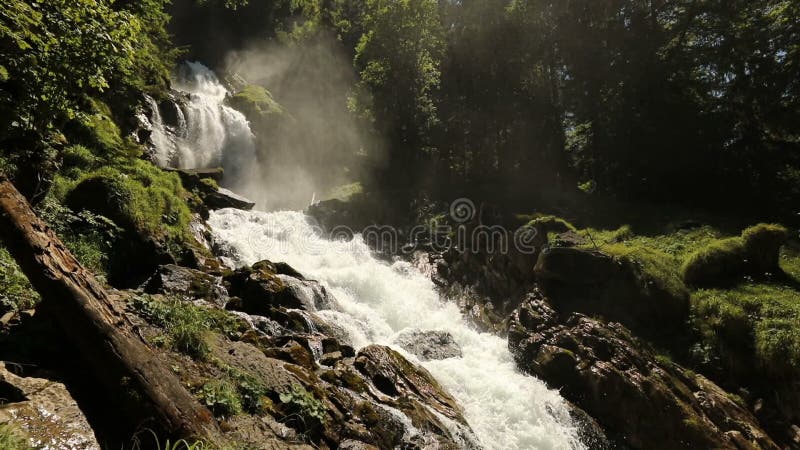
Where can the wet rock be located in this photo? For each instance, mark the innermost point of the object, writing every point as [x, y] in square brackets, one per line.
[171, 279]
[223, 198]
[429, 345]
[261, 287]
[45, 411]
[393, 376]
[653, 303]
[329, 359]
[575, 266]
[350, 444]
[614, 377]
[357, 413]
[264, 433]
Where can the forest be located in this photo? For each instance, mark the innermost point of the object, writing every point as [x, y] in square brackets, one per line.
[651, 148]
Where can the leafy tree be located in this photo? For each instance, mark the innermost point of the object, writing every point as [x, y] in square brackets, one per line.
[399, 57]
[54, 52]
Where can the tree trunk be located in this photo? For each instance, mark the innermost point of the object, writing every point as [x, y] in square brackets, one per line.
[123, 364]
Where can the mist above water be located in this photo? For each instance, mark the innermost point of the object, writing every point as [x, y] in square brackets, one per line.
[317, 144]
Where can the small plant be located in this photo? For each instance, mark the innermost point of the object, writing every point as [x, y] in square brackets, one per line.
[221, 398]
[186, 325]
[303, 403]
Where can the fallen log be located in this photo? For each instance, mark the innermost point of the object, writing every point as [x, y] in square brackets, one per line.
[123, 364]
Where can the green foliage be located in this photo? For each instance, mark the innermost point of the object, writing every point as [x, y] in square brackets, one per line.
[88, 237]
[16, 292]
[55, 51]
[303, 403]
[344, 192]
[187, 326]
[253, 395]
[398, 58]
[11, 439]
[221, 398]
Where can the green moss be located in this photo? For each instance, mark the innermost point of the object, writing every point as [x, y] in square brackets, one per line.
[717, 261]
[16, 292]
[344, 192]
[12, 439]
[652, 267]
[760, 318]
[754, 253]
[254, 99]
[146, 198]
[677, 244]
[549, 223]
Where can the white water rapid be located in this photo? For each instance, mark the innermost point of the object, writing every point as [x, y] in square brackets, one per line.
[375, 300]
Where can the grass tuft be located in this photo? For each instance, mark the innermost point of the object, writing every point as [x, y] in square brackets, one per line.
[188, 327]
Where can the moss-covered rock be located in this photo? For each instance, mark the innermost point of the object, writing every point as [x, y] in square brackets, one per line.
[754, 253]
[637, 286]
[255, 102]
[602, 366]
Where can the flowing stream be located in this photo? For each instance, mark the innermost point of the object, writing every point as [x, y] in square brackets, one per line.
[375, 300]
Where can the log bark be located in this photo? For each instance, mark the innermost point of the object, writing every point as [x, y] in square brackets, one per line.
[98, 327]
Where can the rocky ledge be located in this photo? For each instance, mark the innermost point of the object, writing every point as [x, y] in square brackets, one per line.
[642, 400]
[297, 382]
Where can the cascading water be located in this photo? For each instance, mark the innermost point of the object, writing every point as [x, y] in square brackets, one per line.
[208, 133]
[375, 301]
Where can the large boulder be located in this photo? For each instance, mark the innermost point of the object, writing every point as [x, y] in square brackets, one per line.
[639, 288]
[429, 345]
[188, 283]
[614, 377]
[267, 285]
[45, 412]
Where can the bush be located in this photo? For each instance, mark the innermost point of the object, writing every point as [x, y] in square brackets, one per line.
[16, 292]
[755, 253]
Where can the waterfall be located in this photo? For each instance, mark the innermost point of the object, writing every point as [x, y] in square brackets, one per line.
[208, 133]
[377, 301]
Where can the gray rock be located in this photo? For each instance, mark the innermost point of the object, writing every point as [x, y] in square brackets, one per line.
[46, 412]
[429, 345]
[223, 198]
[188, 283]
